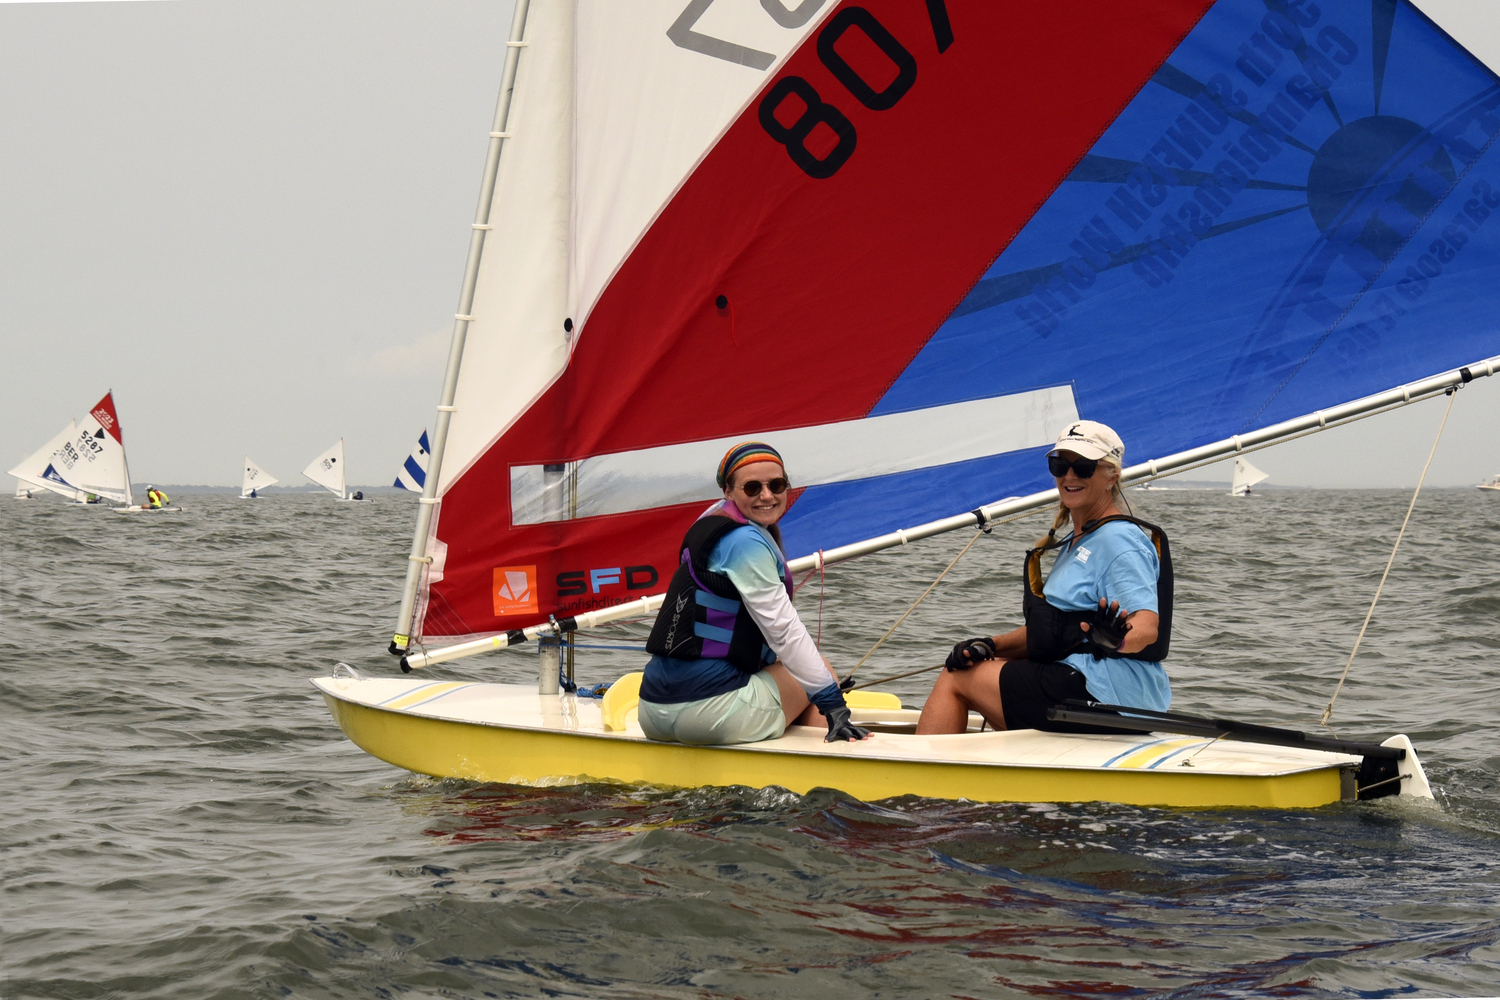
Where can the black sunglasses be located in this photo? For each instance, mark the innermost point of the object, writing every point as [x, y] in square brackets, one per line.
[754, 486]
[1082, 467]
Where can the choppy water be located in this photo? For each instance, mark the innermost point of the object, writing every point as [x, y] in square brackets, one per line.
[181, 819]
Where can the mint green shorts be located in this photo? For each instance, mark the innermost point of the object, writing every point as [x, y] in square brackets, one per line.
[744, 715]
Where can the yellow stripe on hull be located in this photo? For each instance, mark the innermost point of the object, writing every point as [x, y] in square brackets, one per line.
[456, 749]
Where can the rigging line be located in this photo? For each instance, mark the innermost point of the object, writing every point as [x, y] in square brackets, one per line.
[983, 530]
[895, 677]
[890, 631]
[1328, 712]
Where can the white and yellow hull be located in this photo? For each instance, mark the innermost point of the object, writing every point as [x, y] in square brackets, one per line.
[510, 733]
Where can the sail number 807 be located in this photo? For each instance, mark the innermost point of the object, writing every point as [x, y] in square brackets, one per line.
[817, 112]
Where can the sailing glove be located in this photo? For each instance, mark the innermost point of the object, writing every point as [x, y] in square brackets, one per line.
[840, 728]
[970, 652]
[1107, 630]
[830, 701]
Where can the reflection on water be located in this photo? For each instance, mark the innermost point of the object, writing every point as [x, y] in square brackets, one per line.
[183, 820]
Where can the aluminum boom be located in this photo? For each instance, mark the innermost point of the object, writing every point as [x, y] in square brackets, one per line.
[418, 560]
[1156, 468]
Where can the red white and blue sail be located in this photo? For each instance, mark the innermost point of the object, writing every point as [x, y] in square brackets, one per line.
[906, 241]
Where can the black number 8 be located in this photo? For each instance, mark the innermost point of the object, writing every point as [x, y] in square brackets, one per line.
[794, 136]
[906, 65]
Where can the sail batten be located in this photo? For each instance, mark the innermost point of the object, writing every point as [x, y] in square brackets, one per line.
[841, 233]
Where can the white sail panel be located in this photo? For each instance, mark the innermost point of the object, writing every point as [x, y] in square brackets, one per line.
[34, 467]
[327, 470]
[521, 299]
[1245, 476]
[255, 478]
[95, 460]
[821, 454]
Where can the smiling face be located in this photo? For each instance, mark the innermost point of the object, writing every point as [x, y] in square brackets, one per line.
[1086, 495]
[765, 508]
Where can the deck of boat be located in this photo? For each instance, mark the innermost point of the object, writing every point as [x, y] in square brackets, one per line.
[510, 733]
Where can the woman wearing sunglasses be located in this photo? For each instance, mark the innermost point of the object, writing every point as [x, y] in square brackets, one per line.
[731, 661]
[1096, 630]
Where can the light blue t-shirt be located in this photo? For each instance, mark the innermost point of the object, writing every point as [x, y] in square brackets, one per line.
[1117, 562]
[748, 556]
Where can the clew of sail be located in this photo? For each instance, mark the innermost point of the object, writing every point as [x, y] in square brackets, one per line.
[1245, 476]
[909, 242]
[413, 474]
[327, 470]
[255, 478]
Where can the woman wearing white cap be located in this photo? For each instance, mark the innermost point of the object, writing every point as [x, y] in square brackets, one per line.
[1097, 630]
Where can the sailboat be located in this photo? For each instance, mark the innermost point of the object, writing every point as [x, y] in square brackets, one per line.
[327, 470]
[413, 474]
[1245, 476]
[909, 243]
[22, 493]
[255, 480]
[84, 462]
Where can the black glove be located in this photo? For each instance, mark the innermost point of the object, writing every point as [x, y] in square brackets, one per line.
[1107, 630]
[840, 728]
[970, 652]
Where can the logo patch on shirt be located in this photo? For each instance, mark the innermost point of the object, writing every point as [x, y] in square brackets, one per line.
[1083, 554]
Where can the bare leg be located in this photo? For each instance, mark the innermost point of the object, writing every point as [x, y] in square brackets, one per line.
[794, 704]
[957, 693]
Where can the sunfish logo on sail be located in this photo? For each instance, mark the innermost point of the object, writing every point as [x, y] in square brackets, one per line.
[514, 590]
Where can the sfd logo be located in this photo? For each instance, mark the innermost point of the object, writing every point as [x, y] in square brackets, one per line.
[571, 583]
[514, 590]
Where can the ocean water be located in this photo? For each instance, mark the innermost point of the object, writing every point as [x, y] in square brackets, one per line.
[181, 819]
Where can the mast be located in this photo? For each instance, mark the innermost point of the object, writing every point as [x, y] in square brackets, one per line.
[1181, 461]
[418, 560]
[124, 455]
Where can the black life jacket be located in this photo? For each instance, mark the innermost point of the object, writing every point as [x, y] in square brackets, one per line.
[1052, 633]
[702, 616]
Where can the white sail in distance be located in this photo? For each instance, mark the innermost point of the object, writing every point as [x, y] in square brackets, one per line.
[327, 470]
[32, 469]
[255, 478]
[1245, 476]
[413, 474]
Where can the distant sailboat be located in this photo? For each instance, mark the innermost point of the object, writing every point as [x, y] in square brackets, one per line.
[413, 474]
[1245, 476]
[22, 493]
[255, 479]
[327, 470]
[84, 460]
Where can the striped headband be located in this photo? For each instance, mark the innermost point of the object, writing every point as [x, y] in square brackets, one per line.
[743, 454]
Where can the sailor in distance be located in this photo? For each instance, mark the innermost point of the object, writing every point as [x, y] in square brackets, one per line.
[731, 660]
[1096, 630]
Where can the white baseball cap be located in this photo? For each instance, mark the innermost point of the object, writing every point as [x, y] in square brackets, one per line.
[1091, 439]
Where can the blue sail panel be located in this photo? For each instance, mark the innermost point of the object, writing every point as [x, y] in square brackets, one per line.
[1297, 210]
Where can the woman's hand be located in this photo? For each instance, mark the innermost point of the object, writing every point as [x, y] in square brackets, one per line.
[970, 652]
[1116, 630]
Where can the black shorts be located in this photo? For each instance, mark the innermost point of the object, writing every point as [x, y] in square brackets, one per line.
[1028, 689]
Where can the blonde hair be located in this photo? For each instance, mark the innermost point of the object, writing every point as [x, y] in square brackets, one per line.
[1064, 515]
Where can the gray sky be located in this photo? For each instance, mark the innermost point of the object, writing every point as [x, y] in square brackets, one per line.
[250, 218]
